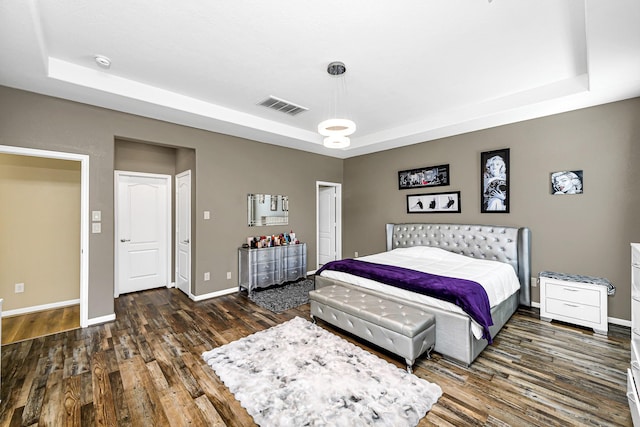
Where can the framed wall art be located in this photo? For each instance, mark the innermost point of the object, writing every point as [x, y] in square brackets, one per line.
[494, 181]
[429, 176]
[567, 182]
[447, 202]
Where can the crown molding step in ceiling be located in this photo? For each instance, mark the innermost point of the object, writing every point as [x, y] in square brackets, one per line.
[422, 71]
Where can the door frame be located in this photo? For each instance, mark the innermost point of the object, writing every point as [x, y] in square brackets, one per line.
[180, 175]
[338, 188]
[84, 214]
[168, 179]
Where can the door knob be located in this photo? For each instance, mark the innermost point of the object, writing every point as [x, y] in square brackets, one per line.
[125, 240]
[185, 241]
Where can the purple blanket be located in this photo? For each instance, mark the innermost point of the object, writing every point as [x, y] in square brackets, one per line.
[466, 294]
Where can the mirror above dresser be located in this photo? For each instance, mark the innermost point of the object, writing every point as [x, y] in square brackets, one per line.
[267, 209]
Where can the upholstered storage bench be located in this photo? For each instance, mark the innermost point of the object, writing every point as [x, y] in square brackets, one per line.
[391, 324]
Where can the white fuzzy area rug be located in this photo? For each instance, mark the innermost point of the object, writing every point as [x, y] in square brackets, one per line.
[298, 374]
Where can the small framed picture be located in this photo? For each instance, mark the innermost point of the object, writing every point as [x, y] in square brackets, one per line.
[429, 176]
[434, 202]
[494, 181]
[567, 182]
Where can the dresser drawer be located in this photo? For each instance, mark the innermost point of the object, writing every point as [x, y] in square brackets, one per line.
[294, 263]
[295, 250]
[265, 255]
[632, 397]
[635, 282]
[572, 312]
[635, 363]
[294, 274]
[266, 279]
[263, 267]
[635, 254]
[571, 292]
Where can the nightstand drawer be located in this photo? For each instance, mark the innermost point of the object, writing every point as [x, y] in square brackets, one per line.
[571, 293]
[571, 311]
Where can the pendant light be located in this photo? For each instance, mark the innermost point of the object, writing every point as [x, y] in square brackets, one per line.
[337, 130]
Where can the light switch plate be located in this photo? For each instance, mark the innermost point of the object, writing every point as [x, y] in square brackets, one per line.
[96, 227]
[96, 215]
[207, 215]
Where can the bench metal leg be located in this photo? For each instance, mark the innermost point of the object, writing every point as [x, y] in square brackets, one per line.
[409, 365]
[313, 318]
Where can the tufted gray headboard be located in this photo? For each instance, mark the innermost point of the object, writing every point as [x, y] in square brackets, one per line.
[511, 245]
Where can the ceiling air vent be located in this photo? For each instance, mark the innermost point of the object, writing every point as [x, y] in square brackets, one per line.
[282, 106]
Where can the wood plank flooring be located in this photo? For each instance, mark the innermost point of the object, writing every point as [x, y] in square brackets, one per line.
[39, 324]
[145, 369]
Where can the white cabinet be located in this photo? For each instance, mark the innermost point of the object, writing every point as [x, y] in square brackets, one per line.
[259, 268]
[583, 304]
[633, 374]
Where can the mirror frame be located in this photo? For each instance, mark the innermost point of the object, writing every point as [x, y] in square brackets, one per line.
[275, 210]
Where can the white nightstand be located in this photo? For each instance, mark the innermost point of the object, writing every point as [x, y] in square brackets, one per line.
[581, 300]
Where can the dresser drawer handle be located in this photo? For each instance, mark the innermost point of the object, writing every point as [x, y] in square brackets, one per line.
[571, 305]
[636, 331]
[631, 398]
[571, 289]
[635, 365]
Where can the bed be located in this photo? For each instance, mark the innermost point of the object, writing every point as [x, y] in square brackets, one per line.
[457, 335]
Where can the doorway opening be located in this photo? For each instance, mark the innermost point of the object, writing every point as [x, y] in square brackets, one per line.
[84, 215]
[328, 222]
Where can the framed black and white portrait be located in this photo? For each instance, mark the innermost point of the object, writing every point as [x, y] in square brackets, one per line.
[434, 202]
[494, 183]
[428, 176]
[567, 182]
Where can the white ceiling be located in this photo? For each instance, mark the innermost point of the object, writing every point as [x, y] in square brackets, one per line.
[417, 70]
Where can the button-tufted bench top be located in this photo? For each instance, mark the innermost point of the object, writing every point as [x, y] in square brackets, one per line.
[397, 317]
[601, 281]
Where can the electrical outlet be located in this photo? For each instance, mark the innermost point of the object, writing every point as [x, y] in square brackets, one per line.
[228, 275]
[355, 254]
[207, 276]
[19, 288]
[534, 282]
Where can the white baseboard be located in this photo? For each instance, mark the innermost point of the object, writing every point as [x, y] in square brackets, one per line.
[36, 308]
[101, 319]
[612, 320]
[621, 322]
[214, 294]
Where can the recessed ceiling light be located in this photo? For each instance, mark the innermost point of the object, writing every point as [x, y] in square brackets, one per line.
[102, 61]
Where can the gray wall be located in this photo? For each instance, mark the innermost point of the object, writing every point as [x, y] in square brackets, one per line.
[227, 169]
[583, 234]
[586, 234]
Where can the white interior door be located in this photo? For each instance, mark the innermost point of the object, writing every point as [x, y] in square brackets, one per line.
[328, 222]
[326, 225]
[143, 224]
[183, 232]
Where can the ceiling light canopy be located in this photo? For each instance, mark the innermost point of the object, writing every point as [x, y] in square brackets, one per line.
[336, 130]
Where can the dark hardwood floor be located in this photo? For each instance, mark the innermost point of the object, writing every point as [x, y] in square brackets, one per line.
[145, 369]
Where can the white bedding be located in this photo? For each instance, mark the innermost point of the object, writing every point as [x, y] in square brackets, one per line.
[497, 278]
